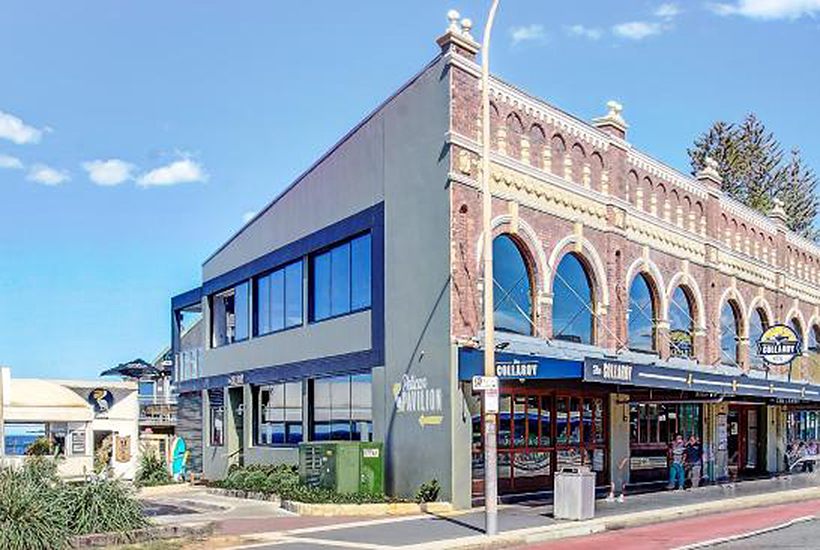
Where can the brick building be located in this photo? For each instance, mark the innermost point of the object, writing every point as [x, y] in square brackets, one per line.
[630, 299]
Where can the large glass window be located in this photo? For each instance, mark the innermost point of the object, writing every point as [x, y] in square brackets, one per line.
[512, 288]
[729, 333]
[279, 299]
[681, 324]
[641, 315]
[216, 416]
[342, 408]
[341, 279]
[230, 316]
[757, 326]
[572, 302]
[279, 414]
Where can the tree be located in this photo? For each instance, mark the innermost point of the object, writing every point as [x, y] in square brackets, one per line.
[798, 196]
[750, 162]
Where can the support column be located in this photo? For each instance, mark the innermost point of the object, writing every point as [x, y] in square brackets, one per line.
[619, 440]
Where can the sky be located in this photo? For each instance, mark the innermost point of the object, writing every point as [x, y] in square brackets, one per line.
[136, 137]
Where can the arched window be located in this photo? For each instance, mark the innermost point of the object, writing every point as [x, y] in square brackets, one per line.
[757, 326]
[729, 333]
[797, 327]
[814, 340]
[681, 323]
[512, 288]
[572, 302]
[641, 315]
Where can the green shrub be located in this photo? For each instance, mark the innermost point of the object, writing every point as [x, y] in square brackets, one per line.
[32, 515]
[102, 506]
[38, 511]
[283, 480]
[41, 447]
[428, 492]
[152, 470]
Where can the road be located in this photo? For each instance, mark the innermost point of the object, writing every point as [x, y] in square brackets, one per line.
[683, 533]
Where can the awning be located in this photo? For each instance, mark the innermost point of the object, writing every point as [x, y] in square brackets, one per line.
[33, 399]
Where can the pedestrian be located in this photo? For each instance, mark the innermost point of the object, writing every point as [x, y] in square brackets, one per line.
[802, 453]
[676, 458]
[694, 460]
[811, 453]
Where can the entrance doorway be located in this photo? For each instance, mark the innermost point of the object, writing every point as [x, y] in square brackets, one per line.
[743, 440]
[236, 439]
[103, 450]
[541, 431]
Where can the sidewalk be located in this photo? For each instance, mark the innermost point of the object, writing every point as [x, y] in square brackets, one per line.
[521, 523]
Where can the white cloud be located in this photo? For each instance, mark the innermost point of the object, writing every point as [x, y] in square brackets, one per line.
[47, 175]
[667, 11]
[180, 171]
[7, 161]
[248, 216]
[16, 130]
[108, 172]
[585, 32]
[637, 30]
[530, 33]
[767, 9]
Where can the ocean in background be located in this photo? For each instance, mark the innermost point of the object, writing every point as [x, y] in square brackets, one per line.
[16, 445]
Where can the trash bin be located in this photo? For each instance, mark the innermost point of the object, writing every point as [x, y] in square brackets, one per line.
[574, 496]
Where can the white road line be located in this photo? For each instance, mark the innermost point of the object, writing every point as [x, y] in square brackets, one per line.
[321, 542]
[741, 536]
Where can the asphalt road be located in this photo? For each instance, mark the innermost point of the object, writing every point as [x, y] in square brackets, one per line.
[803, 535]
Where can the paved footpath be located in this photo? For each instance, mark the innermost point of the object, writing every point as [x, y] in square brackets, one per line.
[261, 525]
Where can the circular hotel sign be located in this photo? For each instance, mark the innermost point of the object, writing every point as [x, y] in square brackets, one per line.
[779, 345]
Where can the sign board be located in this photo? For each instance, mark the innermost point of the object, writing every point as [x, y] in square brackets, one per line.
[680, 343]
[491, 401]
[122, 448]
[78, 443]
[237, 379]
[779, 345]
[101, 399]
[516, 369]
[482, 383]
[606, 370]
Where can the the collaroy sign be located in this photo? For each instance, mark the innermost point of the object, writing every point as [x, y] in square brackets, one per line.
[779, 345]
[605, 370]
[516, 369]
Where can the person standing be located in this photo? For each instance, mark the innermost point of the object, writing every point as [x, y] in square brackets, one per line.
[677, 450]
[694, 460]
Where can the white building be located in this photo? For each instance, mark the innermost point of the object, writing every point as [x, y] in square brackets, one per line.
[79, 417]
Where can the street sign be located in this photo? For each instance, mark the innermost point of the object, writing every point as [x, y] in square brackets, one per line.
[483, 383]
[491, 401]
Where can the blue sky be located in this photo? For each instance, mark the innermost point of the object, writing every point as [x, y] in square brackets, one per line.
[136, 136]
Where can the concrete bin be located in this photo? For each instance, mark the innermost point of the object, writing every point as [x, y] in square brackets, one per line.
[574, 496]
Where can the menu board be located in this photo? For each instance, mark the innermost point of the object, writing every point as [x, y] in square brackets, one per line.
[78, 442]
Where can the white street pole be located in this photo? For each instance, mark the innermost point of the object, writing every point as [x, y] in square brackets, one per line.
[490, 457]
[2, 417]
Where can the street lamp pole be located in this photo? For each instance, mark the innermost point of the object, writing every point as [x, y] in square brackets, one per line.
[490, 455]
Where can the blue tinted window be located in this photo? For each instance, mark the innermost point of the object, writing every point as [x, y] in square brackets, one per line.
[681, 324]
[321, 286]
[641, 316]
[277, 300]
[279, 414]
[263, 305]
[572, 302]
[512, 292]
[242, 312]
[340, 279]
[293, 295]
[360, 272]
[342, 408]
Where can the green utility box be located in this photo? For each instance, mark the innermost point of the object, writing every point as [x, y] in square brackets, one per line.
[342, 466]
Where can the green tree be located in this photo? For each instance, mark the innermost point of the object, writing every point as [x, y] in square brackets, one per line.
[751, 164]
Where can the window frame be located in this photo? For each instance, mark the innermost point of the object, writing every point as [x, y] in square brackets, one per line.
[654, 302]
[350, 408]
[311, 301]
[259, 412]
[591, 308]
[222, 294]
[255, 291]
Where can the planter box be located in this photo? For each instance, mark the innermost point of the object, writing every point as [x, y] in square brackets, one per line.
[235, 493]
[105, 540]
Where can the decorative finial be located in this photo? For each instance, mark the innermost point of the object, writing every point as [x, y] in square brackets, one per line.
[615, 109]
[466, 25]
[453, 17]
[709, 171]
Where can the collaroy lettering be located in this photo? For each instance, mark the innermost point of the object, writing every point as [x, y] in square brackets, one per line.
[613, 371]
[516, 369]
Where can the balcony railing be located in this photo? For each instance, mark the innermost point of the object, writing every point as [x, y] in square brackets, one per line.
[158, 409]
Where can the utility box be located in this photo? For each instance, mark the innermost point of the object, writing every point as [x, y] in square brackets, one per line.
[574, 496]
[342, 466]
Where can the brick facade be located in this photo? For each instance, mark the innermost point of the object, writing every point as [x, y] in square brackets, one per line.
[561, 185]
